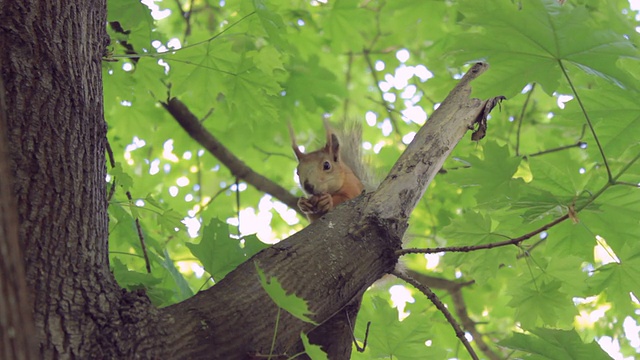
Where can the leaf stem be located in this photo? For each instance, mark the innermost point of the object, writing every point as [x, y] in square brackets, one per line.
[275, 334]
[520, 119]
[586, 116]
[565, 147]
[172, 51]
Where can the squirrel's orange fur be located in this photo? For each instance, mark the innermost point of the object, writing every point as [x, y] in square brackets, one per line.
[325, 177]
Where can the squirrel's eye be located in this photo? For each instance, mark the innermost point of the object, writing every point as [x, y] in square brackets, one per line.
[326, 166]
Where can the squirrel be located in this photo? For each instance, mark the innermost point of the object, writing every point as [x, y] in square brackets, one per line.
[332, 174]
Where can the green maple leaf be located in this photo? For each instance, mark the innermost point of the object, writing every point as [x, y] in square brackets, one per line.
[558, 173]
[476, 229]
[345, 25]
[218, 253]
[615, 216]
[541, 302]
[391, 338]
[249, 94]
[533, 44]
[314, 351]
[313, 85]
[614, 113]
[492, 175]
[618, 280]
[252, 245]
[294, 305]
[568, 238]
[567, 270]
[203, 69]
[555, 344]
[271, 22]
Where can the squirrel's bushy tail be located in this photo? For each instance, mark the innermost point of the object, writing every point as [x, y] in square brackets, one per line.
[349, 133]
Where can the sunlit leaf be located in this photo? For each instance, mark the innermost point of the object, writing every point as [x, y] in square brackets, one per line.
[294, 305]
[555, 344]
[218, 253]
[314, 351]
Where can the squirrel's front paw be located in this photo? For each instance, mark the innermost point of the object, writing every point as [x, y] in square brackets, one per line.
[306, 206]
[324, 203]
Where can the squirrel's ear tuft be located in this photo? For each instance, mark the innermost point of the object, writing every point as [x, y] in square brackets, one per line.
[334, 146]
[294, 145]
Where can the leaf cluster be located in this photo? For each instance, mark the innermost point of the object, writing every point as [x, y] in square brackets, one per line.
[565, 143]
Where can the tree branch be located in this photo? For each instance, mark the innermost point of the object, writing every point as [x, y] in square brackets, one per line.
[454, 288]
[399, 193]
[238, 168]
[443, 309]
[341, 254]
[514, 241]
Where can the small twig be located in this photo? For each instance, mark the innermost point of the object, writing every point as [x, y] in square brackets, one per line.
[206, 116]
[514, 241]
[520, 119]
[444, 171]
[203, 207]
[269, 154]
[454, 288]
[112, 191]
[384, 103]
[237, 183]
[345, 106]
[140, 236]
[578, 144]
[586, 116]
[173, 51]
[126, 254]
[206, 282]
[186, 15]
[443, 309]
[626, 183]
[418, 85]
[112, 162]
[517, 241]
[470, 325]
[353, 336]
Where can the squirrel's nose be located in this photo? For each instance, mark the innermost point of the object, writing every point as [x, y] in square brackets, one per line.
[308, 188]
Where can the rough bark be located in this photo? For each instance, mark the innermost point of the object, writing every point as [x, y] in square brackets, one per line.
[341, 255]
[51, 66]
[407, 181]
[16, 323]
[56, 137]
[326, 275]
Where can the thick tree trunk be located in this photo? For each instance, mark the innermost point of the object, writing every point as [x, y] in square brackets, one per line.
[51, 66]
[335, 260]
[16, 324]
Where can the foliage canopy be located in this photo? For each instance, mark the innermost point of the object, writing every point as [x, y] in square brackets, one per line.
[565, 143]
